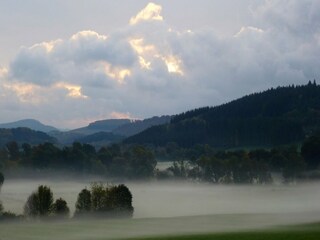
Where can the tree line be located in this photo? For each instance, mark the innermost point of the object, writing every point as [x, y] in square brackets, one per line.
[205, 163]
[114, 161]
[200, 162]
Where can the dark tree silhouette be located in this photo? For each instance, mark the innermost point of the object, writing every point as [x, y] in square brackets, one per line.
[311, 151]
[39, 203]
[105, 201]
[60, 208]
[1, 180]
[83, 204]
[31, 207]
[13, 150]
[121, 200]
[98, 197]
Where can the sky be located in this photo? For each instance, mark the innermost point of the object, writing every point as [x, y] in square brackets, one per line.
[69, 63]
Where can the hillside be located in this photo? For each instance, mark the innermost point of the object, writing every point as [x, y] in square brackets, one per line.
[278, 116]
[29, 123]
[24, 135]
[138, 126]
[106, 126]
[108, 131]
[100, 139]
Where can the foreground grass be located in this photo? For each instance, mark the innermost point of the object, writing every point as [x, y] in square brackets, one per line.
[216, 227]
[299, 232]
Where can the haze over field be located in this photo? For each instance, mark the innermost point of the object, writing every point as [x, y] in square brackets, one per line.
[171, 208]
[174, 199]
[108, 62]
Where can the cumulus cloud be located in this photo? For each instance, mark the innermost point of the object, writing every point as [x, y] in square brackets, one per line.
[152, 12]
[84, 58]
[149, 68]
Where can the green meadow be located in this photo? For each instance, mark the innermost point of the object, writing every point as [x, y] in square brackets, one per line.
[296, 232]
[216, 227]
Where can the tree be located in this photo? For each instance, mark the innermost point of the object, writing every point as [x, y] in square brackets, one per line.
[13, 150]
[26, 154]
[105, 156]
[4, 157]
[31, 207]
[60, 208]
[1, 183]
[105, 200]
[294, 166]
[120, 198]
[179, 169]
[141, 162]
[83, 204]
[98, 197]
[45, 155]
[39, 203]
[311, 151]
[1, 179]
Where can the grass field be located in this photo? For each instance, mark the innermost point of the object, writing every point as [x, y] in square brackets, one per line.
[217, 227]
[298, 232]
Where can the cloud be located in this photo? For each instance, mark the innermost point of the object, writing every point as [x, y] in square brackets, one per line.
[74, 91]
[119, 115]
[299, 18]
[152, 12]
[150, 68]
[33, 65]
[85, 58]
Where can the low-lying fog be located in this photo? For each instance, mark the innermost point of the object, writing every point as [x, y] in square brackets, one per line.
[169, 208]
[172, 199]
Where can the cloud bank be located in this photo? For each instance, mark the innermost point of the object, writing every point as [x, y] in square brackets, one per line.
[149, 68]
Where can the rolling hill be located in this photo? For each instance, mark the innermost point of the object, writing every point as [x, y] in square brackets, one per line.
[284, 115]
[137, 126]
[100, 139]
[29, 123]
[106, 126]
[24, 135]
[108, 131]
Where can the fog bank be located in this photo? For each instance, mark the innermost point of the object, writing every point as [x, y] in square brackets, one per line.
[172, 199]
[169, 208]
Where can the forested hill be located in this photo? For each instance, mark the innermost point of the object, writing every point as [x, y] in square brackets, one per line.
[278, 116]
[138, 126]
[24, 135]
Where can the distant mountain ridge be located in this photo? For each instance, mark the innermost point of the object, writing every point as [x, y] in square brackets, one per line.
[29, 123]
[284, 115]
[109, 130]
[138, 126]
[105, 126]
